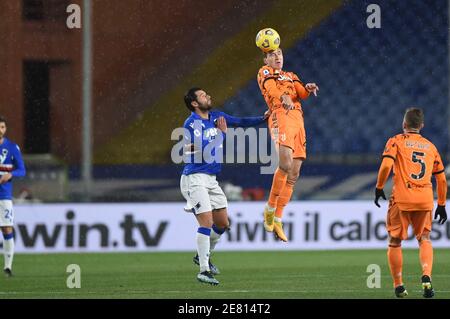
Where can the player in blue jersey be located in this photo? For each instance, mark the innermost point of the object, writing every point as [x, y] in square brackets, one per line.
[204, 134]
[11, 166]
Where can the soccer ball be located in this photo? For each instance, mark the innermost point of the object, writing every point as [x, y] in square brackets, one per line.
[268, 40]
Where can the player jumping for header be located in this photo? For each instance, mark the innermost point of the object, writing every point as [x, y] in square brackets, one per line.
[283, 91]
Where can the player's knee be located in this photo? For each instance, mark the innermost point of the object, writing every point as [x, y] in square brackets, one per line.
[293, 177]
[7, 230]
[225, 226]
[424, 236]
[286, 165]
[395, 242]
[222, 224]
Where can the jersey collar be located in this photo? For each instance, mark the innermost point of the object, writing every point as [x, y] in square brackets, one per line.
[195, 116]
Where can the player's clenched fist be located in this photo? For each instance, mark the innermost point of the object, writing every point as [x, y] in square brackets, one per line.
[312, 88]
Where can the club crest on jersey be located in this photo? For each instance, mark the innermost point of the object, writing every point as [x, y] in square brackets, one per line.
[3, 155]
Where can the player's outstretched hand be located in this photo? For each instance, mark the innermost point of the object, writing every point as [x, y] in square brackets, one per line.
[441, 213]
[312, 87]
[222, 124]
[379, 193]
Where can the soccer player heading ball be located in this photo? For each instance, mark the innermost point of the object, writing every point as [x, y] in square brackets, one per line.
[282, 92]
[415, 159]
[268, 40]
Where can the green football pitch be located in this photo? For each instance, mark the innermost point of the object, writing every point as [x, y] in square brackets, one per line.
[257, 275]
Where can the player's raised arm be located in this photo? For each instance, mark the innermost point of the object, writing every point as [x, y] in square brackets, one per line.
[302, 90]
[234, 121]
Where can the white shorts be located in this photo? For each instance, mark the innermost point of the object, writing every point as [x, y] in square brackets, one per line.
[202, 193]
[6, 213]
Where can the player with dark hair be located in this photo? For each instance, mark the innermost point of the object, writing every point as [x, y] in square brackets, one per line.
[11, 166]
[203, 129]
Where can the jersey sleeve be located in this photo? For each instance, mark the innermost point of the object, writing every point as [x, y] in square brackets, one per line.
[19, 166]
[267, 81]
[299, 87]
[242, 121]
[441, 185]
[438, 165]
[383, 173]
[391, 149]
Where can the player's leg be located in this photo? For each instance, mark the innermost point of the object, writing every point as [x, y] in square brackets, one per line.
[205, 222]
[8, 249]
[219, 226]
[286, 192]
[285, 197]
[284, 142]
[278, 183]
[221, 223]
[397, 229]
[194, 189]
[6, 225]
[395, 260]
[422, 223]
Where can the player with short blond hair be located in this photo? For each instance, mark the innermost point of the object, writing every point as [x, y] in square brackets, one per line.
[414, 160]
[282, 92]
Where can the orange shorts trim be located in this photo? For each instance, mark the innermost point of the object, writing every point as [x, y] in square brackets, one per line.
[398, 221]
[289, 130]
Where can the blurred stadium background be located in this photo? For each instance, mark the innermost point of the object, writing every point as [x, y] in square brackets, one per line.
[146, 54]
[141, 69]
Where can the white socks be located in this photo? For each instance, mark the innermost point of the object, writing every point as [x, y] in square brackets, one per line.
[203, 246]
[8, 249]
[215, 236]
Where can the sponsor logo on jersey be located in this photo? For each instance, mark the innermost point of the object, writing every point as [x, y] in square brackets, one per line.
[285, 77]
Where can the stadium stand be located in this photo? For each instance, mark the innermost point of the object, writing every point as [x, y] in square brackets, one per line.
[367, 78]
